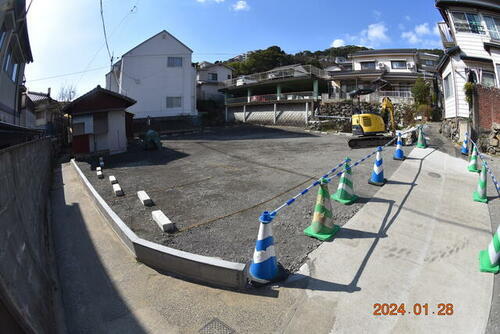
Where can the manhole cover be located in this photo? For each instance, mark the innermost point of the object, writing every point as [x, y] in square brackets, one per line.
[436, 175]
[215, 326]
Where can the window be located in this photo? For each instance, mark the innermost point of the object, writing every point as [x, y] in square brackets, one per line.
[448, 90]
[212, 76]
[6, 64]
[498, 73]
[3, 34]
[174, 101]
[429, 62]
[229, 76]
[466, 22]
[493, 26]
[15, 69]
[174, 62]
[368, 65]
[488, 79]
[398, 64]
[78, 129]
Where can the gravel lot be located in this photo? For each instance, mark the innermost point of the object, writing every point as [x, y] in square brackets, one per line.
[215, 185]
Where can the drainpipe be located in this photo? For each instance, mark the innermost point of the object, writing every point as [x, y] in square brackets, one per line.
[249, 94]
[278, 92]
[315, 89]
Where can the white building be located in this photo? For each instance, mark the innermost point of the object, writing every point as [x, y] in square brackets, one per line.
[392, 72]
[100, 122]
[159, 75]
[210, 78]
[15, 53]
[471, 36]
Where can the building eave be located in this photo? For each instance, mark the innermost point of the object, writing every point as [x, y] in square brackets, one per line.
[492, 5]
[150, 38]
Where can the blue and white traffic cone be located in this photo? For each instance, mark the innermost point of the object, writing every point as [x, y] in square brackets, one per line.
[465, 150]
[377, 178]
[264, 266]
[399, 154]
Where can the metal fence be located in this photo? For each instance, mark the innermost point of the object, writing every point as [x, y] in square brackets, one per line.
[292, 96]
[279, 73]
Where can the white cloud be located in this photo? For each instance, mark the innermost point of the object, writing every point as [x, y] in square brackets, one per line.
[377, 14]
[241, 5]
[435, 30]
[374, 35]
[422, 35]
[337, 43]
[407, 18]
[422, 29]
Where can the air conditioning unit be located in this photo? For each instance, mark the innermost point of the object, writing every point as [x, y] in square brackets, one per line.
[410, 66]
[381, 66]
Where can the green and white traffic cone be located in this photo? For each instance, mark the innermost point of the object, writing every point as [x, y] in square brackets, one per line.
[473, 161]
[489, 259]
[421, 143]
[345, 191]
[322, 226]
[480, 194]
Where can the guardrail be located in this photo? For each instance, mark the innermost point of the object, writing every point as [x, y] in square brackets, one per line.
[483, 159]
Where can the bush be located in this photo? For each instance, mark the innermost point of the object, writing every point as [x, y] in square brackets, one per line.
[425, 111]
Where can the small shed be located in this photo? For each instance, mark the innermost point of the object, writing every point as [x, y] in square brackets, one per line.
[99, 121]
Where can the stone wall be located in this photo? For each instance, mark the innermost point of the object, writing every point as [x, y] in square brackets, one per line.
[26, 283]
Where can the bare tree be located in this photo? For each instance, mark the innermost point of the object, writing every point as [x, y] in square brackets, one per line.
[67, 93]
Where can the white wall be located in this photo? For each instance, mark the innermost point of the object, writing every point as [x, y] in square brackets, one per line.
[222, 73]
[386, 60]
[471, 44]
[87, 119]
[116, 136]
[147, 79]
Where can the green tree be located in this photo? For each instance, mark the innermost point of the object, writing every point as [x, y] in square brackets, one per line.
[421, 92]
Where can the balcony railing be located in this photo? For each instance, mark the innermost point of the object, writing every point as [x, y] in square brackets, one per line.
[294, 96]
[398, 96]
[276, 74]
[446, 36]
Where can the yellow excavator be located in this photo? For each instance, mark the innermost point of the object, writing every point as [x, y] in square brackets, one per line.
[368, 126]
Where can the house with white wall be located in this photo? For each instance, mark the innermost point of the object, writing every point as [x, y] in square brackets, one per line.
[391, 72]
[159, 75]
[99, 122]
[470, 34]
[15, 53]
[210, 78]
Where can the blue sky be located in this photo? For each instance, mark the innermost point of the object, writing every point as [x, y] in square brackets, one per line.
[66, 36]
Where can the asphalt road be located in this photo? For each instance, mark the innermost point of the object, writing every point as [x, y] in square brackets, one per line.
[215, 185]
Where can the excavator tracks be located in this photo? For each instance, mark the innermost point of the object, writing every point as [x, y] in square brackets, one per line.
[368, 141]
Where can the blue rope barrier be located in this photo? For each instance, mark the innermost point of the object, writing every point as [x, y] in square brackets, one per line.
[493, 178]
[329, 179]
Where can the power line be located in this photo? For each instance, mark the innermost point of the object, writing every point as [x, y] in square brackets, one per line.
[104, 31]
[67, 74]
[133, 10]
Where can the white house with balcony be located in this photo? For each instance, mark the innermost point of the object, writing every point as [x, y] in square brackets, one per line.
[15, 53]
[210, 78]
[471, 37]
[159, 75]
[391, 72]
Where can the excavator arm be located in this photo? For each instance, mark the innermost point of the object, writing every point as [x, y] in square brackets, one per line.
[388, 107]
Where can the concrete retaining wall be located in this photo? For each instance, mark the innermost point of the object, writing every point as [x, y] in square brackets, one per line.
[26, 285]
[293, 114]
[190, 266]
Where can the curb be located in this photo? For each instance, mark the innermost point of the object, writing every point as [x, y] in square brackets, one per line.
[193, 267]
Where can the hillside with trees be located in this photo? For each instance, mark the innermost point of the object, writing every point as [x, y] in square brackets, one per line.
[267, 59]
